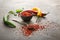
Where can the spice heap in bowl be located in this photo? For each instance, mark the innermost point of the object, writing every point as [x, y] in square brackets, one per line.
[26, 16]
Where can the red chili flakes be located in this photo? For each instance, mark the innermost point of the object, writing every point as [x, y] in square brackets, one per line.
[27, 30]
[26, 14]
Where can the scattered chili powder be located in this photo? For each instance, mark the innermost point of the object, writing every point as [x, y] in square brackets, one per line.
[27, 30]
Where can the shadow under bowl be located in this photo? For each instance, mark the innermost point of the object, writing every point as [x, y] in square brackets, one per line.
[26, 18]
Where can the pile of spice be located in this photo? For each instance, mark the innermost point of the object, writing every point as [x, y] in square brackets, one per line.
[27, 30]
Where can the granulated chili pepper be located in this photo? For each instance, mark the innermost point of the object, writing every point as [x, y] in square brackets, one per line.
[27, 30]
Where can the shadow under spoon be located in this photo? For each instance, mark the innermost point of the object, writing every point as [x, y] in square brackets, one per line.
[25, 24]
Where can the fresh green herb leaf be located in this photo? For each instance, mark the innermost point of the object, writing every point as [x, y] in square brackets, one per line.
[19, 10]
[12, 12]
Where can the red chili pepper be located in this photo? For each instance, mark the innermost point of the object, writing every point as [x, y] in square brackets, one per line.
[31, 11]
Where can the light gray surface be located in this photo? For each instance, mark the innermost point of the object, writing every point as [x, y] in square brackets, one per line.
[52, 6]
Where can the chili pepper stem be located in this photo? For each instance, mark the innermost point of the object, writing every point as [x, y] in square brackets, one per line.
[37, 19]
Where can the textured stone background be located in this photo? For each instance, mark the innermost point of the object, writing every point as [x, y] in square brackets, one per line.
[51, 6]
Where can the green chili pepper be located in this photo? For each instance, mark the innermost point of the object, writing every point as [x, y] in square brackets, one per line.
[12, 12]
[19, 10]
[37, 18]
[7, 22]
